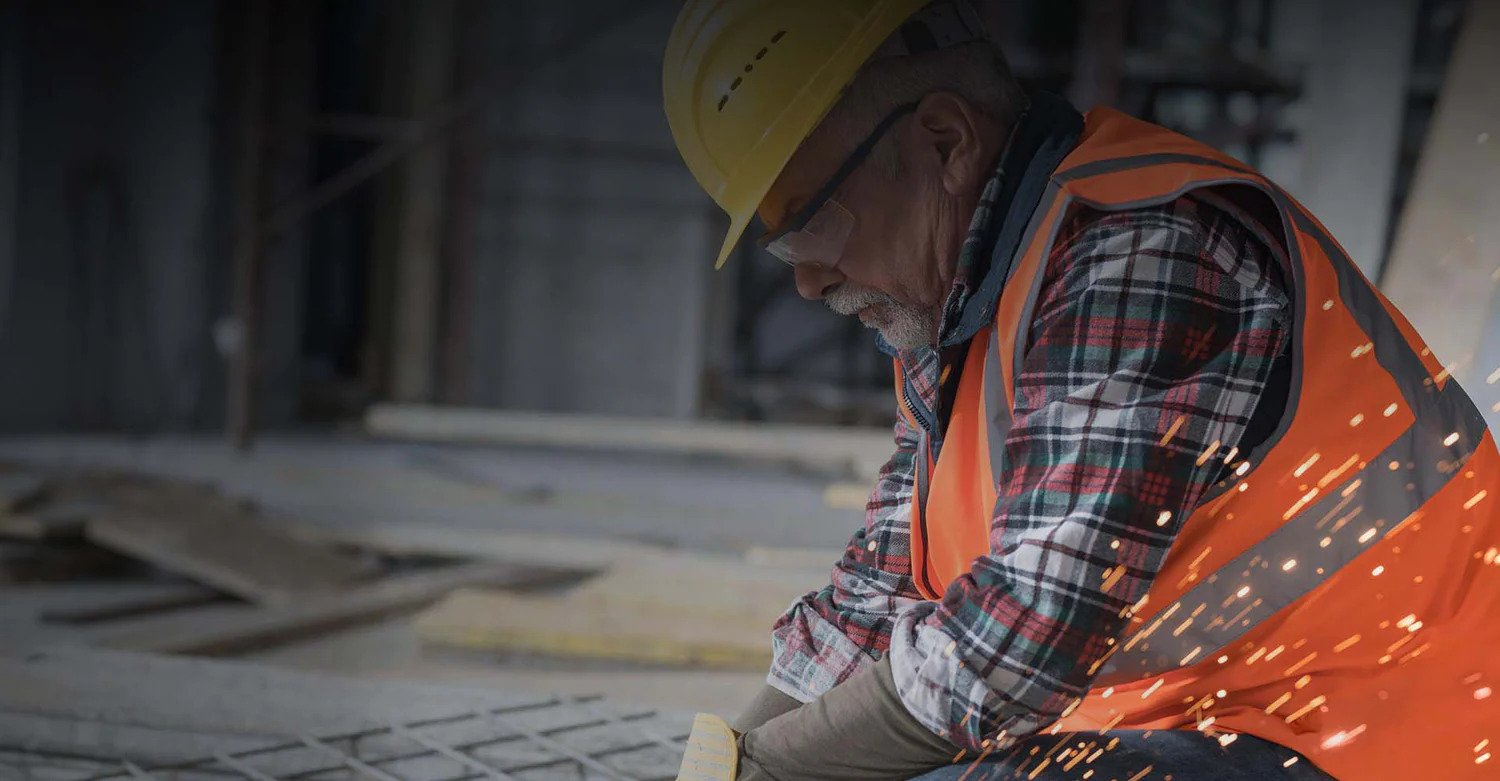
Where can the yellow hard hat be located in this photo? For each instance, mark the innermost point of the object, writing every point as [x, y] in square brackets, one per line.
[746, 81]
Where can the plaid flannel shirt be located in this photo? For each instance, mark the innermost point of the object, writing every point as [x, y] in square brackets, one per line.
[1150, 320]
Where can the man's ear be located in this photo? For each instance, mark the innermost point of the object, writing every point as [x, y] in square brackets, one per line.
[950, 132]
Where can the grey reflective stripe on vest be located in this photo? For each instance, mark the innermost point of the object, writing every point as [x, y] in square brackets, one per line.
[1303, 553]
[1334, 528]
[997, 404]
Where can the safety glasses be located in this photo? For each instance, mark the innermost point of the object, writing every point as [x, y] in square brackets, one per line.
[815, 235]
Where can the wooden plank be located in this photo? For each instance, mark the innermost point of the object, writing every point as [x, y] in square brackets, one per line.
[233, 552]
[63, 520]
[573, 627]
[670, 609]
[133, 603]
[237, 628]
[545, 550]
[18, 489]
[856, 452]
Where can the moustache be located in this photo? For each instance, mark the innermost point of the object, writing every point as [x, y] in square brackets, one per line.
[847, 299]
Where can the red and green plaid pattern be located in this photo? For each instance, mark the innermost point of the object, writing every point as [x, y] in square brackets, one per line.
[1148, 321]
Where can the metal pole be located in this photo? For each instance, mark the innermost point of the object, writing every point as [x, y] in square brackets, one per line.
[250, 248]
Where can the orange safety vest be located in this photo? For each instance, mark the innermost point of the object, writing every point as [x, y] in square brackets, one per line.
[1340, 595]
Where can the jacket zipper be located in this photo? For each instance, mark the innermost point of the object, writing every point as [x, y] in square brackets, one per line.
[918, 490]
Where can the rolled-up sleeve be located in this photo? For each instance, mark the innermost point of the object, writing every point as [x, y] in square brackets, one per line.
[830, 634]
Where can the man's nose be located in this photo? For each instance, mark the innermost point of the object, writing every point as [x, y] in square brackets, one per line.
[814, 282]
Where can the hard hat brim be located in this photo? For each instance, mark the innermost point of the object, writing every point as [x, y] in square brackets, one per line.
[737, 227]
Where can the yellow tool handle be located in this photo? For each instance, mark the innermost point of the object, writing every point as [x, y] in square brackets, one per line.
[711, 751]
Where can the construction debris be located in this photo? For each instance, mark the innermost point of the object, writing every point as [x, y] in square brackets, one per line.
[236, 628]
[678, 609]
[19, 489]
[230, 551]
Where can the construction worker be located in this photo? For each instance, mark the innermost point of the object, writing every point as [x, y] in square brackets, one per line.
[1176, 492]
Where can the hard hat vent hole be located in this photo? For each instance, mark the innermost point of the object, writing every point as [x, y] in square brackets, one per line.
[750, 67]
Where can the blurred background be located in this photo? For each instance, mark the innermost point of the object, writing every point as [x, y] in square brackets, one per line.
[313, 302]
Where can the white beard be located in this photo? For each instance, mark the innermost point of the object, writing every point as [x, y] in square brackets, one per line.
[904, 326]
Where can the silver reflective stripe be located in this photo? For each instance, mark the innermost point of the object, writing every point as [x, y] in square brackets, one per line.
[997, 404]
[996, 407]
[924, 566]
[1294, 560]
[1337, 527]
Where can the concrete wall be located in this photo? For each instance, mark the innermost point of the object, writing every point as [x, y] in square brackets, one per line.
[104, 286]
[1349, 117]
[591, 268]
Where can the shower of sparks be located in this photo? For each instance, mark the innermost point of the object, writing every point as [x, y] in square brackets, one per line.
[1311, 705]
[1342, 737]
[1172, 430]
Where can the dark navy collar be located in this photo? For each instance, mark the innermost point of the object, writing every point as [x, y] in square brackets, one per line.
[1046, 134]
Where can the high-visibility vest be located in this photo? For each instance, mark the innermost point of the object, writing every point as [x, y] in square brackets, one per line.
[1338, 593]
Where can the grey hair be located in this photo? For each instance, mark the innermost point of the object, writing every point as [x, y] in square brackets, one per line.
[975, 71]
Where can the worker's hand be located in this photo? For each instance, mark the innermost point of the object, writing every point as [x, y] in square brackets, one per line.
[711, 751]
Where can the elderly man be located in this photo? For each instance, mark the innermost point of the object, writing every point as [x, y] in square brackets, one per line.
[1176, 492]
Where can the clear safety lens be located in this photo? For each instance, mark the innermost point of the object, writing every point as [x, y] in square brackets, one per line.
[820, 242]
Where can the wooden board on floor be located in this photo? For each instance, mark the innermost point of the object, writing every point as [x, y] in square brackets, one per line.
[236, 628]
[63, 520]
[232, 552]
[17, 489]
[592, 628]
[667, 608]
[838, 450]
